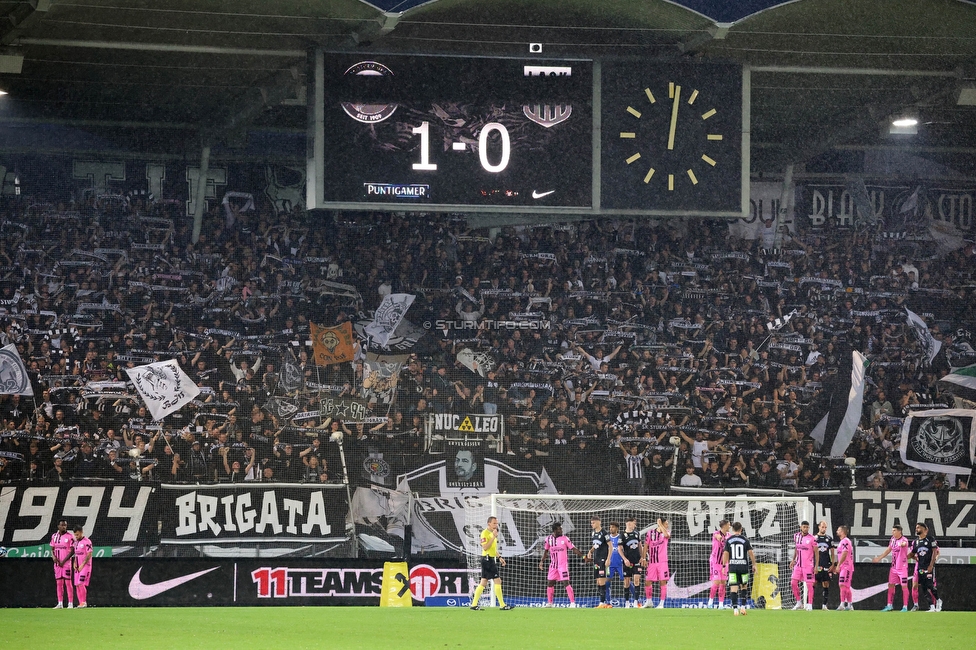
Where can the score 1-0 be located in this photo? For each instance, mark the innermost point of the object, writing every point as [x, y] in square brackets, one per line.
[425, 165]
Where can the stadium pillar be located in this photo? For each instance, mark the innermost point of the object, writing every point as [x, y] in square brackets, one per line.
[315, 135]
[746, 139]
[785, 201]
[201, 192]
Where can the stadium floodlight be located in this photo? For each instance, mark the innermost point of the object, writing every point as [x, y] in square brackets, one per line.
[904, 125]
[526, 519]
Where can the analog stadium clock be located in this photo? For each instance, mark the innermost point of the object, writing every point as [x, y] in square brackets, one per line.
[672, 138]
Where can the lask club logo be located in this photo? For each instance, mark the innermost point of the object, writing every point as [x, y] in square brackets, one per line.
[369, 113]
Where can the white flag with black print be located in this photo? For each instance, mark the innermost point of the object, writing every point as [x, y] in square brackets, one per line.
[164, 387]
[14, 379]
[940, 440]
[779, 323]
[389, 314]
[925, 338]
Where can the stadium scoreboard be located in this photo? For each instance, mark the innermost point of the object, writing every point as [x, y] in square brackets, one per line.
[530, 135]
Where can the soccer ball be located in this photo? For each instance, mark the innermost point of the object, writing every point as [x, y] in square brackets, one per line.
[3, 551]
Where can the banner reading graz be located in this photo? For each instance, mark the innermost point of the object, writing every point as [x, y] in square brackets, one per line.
[234, 513]
[872, 513]
[950, 515]
[110, 514]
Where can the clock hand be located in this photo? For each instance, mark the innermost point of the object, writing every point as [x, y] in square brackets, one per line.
[674, 117]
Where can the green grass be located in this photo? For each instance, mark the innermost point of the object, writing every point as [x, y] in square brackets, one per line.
[366, 628]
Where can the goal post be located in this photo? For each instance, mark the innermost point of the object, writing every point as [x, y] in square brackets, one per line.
[526, 519]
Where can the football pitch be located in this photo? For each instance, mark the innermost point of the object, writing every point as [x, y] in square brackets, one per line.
[245, 628]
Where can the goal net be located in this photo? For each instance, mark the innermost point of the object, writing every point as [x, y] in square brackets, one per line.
[525, 521]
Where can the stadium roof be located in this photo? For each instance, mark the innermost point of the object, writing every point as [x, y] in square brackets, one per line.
[126, 69]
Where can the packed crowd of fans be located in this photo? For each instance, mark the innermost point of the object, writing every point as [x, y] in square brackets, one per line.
[624, 356]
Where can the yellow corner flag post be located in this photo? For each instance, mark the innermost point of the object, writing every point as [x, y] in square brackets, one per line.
[766, 586]
[395, 591]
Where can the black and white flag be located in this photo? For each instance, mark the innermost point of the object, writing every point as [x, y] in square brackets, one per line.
[292, 378]
[925, 338]
[164, 387]
[779, 323]
[838, 411]
[941, 440]
[13, 374]
[389, 314]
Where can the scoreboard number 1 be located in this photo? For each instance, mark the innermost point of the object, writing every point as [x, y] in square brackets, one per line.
[424, 132]
[425, 165]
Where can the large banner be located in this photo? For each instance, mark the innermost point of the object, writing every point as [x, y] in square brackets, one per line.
[903, 208]
[249, 513]
[192, 582]
[941, 440]
[117, 515]
[195, 582]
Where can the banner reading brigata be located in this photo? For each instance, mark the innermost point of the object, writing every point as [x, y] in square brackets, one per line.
[236, 512]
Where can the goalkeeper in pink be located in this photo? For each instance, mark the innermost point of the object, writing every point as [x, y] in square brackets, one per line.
[61, 542]
[81, 561]
[898, 547]
[656, 559]
[557, 548]
[804, 559]
[717, 572]
[845, 569]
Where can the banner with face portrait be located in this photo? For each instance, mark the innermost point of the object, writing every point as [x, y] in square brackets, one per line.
[466, 464]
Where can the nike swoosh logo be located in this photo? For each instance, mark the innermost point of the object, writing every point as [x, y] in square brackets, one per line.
[686, 592]
[141, 591]
[862, 594]
[538, 195]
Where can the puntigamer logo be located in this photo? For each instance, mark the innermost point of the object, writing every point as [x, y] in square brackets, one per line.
[397, 191]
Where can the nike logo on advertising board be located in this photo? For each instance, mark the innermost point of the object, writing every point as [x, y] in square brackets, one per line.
[141, 591]
[538, 195]
[867, 592]
[686, 592]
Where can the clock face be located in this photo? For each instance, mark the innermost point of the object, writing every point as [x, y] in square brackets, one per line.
[672, 139]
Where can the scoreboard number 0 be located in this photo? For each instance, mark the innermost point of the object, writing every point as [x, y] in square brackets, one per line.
[425, 165]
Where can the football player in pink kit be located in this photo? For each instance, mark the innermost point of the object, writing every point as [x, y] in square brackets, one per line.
[804, 559]
[899, 547]
[61, 542]
[656, 560]
[717, 572]
[845, 569]
[557, 547]
[82, 565]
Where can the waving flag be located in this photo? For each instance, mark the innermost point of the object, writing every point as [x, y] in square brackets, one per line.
[840, 408]
[389, 314]
[13, 374]
[961, 382]
[924, 336]
[940, 440]
[164, 387]
[332, 344]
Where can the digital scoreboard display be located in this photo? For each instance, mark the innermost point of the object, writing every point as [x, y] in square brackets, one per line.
[452, 132]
